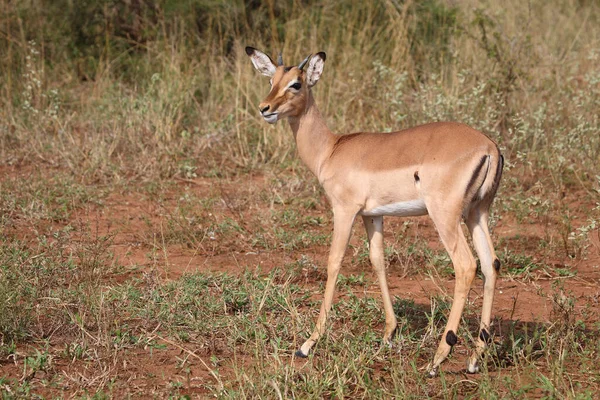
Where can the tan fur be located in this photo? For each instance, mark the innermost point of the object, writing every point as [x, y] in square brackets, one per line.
[451, 167]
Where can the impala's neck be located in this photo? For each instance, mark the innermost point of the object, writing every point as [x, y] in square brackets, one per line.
[314, 140]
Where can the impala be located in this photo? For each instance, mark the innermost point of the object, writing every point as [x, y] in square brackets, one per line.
[445, 169]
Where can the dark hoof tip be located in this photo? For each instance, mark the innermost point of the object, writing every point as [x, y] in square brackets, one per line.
[300, 354]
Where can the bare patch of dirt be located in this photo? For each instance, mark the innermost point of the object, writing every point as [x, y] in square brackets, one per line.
[129, 217]
[144, 237]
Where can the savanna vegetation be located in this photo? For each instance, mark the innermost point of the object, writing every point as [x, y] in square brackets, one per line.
[159, 239]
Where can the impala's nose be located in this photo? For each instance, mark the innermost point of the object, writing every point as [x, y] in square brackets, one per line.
[263, 108]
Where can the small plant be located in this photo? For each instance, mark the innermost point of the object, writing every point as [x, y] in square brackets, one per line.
[579, 238]
[518, 265]
[40, 361]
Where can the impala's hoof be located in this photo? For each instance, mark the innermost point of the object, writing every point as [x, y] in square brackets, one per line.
[388, 339]
[432, 372]
[473, 365]
[300, 354]
[387, 343]
[472, 369]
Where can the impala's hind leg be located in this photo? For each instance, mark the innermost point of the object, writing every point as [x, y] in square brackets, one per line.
[374, 227]
[453, 238]
[477, 221]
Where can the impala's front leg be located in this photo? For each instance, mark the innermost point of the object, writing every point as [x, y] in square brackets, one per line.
[342, 227]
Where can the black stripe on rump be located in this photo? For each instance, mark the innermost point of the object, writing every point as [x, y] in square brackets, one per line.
[499, 172]
[476, 174]
[491, 193]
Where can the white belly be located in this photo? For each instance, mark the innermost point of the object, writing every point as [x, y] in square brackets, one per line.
[400, 209]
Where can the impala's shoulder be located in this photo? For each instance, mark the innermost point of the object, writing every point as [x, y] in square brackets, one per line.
[342, 140]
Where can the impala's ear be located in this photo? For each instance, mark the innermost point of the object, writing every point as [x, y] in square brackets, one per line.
[261, 61]
[315, 68]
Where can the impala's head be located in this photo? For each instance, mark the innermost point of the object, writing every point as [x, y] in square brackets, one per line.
[290, 86]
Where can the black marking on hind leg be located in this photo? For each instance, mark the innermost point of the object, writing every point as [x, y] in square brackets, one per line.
[417, 179]
[300, 354]
[497, 265]
[499, 171]
[484, 335]
[476, 173]
[451, 338]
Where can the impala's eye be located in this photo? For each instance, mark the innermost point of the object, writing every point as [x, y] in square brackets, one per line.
[296, 86]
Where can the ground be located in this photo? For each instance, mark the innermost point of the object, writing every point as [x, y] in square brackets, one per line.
[205, 286]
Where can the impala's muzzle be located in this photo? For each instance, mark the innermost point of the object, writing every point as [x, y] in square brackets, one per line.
[266, 112]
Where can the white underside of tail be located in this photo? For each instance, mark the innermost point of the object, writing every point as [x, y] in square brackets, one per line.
[401, 209]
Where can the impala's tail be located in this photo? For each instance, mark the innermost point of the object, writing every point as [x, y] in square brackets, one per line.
[484, 182]
[488, 189]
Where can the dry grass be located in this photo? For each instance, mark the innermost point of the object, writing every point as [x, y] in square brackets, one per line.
[164, 101]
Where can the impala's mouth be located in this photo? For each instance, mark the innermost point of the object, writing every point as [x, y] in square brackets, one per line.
[270, 118]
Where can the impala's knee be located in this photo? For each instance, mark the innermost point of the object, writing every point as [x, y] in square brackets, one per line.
[333, 268]
[471, 273]
[468, 274]
[490, 272]
[377, 260]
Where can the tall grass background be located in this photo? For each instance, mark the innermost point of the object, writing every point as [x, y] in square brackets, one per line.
[121, 90]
